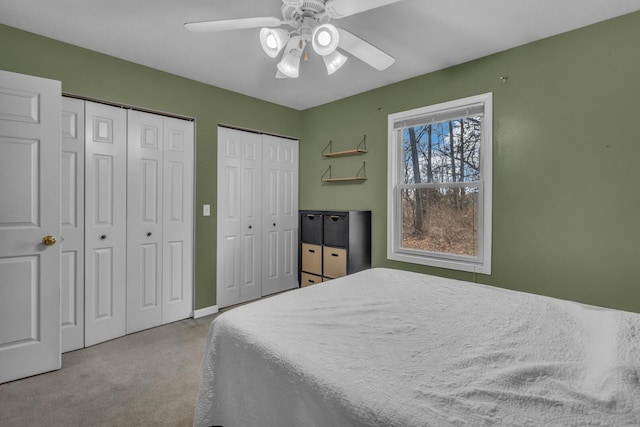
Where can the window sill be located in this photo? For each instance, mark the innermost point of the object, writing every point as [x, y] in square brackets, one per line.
[452, 264]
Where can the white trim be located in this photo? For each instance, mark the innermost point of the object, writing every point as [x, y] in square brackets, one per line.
[486, 158]
[205, 311]
[479, 264]
[433, 261]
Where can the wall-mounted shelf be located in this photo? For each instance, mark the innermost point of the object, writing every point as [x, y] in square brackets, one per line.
[361, 175]
[360, 149]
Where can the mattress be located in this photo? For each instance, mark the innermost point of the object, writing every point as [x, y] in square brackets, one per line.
[386, 347]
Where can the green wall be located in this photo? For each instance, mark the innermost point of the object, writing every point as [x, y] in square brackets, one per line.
[90, 74]
[566, 209]
[566, 197]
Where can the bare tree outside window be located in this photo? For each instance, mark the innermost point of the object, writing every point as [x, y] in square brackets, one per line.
[440, 203]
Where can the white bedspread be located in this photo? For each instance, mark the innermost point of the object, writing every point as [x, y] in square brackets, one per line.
[393, 348]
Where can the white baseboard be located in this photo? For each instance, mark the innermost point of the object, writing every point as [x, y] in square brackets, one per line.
[205, 311]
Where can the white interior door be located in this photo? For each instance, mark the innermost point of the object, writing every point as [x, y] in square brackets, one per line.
[29, 211]
[105, 222]
[144, 221]
[72, 217]
[177, 241]
[279, 214]
[239, 224]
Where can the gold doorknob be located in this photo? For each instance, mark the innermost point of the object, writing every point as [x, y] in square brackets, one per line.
[49, 240]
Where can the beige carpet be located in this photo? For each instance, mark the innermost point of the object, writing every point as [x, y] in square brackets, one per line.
[149, 378]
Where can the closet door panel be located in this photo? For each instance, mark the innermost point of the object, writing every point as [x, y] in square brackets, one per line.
[272, 257]
[251, 226]
[176, 266]
[72, 219]
[239, 216]
[105, 222]
[177, 223]
[144, 220]
[290, 264]
[102, 301]
[228, 283]
[149, 279]
[272, 248]
[280, 214]
[289, 216]
[229, 217]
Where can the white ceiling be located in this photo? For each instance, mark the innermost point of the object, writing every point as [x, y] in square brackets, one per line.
[422, 35]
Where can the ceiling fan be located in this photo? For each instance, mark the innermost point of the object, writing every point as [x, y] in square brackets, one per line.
[310, 23]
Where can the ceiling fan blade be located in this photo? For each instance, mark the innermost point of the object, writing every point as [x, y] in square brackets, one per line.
[232, 24]
[341, 8]
[364, 51]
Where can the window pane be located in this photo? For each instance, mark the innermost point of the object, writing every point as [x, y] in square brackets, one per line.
[444, 152]
[441, 220]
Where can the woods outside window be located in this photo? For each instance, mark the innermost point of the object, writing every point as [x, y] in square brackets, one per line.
[439, 196]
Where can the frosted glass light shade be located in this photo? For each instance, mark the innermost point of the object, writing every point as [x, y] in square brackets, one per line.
[334, 61]
[325, 39]
[290, 63]
[273, 40]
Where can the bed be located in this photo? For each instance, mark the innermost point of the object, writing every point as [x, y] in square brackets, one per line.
[386, 347]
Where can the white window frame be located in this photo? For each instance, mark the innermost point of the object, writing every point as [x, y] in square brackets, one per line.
[477, 264]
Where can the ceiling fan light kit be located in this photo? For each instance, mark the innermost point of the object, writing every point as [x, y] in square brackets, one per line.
[334, 61]
[325, 39]
[310, 22]
[289, 66]
[273, 40]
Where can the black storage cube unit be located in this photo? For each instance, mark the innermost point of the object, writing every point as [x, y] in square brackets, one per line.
[332, 244]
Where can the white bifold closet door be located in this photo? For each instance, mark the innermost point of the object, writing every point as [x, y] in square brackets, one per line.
[239, 216]
[257, 215]
[159, 220]
[144, 219]
[138, 221]
[178, 226]
[279, 214]
[72, 219]
[105, 222]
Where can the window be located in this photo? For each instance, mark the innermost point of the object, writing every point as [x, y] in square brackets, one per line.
[439, 196]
